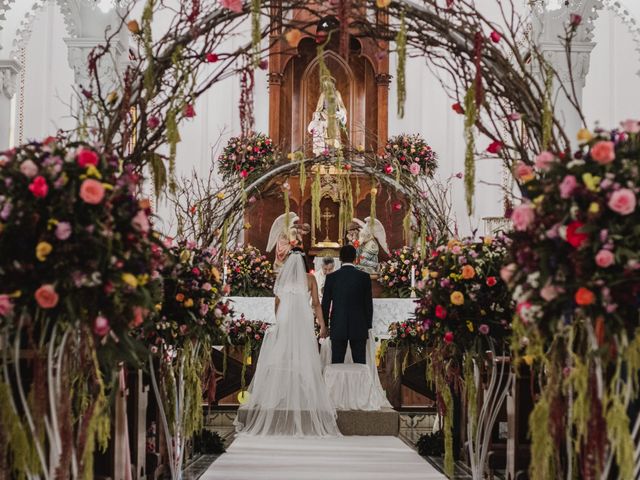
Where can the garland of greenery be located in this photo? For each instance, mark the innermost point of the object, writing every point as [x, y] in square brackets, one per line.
[401, 46]
[469, 157]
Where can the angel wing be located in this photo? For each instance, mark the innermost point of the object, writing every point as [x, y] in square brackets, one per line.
[279, 228]
[378, 232]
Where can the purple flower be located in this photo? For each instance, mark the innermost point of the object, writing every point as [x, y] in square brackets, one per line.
[483, 329]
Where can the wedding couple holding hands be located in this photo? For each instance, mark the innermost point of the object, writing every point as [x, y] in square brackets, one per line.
[288, 395]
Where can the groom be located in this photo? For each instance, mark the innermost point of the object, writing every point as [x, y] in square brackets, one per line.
[348, 305]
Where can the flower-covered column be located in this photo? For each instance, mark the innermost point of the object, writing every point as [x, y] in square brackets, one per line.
[9, 70]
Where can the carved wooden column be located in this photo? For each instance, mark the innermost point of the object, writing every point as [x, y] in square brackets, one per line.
[383, 80]
[9, 70]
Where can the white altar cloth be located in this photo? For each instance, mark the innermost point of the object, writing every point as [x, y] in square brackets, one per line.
[385, 310]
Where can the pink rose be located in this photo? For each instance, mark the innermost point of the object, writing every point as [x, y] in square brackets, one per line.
[603, 152]
[39, 187]
[141, 222]
[604, 258]
[567, 186]
[623, 201]
[101, 326]
[46, 296]
[523, 216]
[233, 5]
[631, 126]
[6, 306]
[549, 292]
[544, 160]
[28, 169]
[63, 230]
[414, 168]
[483, 329]
[524, 172]
[92, 191]
[86, 158]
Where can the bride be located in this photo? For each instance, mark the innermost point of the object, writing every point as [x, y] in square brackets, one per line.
[287, 395]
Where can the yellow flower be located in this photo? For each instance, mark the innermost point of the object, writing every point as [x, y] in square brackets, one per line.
[360, 148]
[528, 359]
[591, 182]
[290, 155]
[383, 3]
[43, 249]
[130, 280]
[584, 135]
[220, 196]
[538, 200]
[488, 240]
[158, 307]
[247, 225]
[143, 279]
[188, 303]
[433, 274]
[594, 207]
[92, 171]
[470, 325]
[216, 274]
[185, 255]
[457, 298]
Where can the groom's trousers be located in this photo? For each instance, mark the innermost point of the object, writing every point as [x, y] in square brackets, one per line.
[358, 350]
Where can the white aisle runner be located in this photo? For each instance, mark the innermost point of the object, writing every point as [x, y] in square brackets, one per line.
[340, 458]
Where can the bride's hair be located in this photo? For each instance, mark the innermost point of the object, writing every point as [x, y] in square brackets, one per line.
[300, 251]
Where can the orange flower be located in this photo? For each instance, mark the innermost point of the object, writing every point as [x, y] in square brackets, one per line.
[468, 272]
[584, 297]
[180, 297]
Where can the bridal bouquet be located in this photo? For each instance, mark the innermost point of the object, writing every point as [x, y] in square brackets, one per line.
[243, 157]
[465, 305]
[396, 273]
[249, 273]
[575, 272]
[410, 153]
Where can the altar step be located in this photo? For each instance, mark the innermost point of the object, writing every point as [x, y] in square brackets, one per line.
[357, 422]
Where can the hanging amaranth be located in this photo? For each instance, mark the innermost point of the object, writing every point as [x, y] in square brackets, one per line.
[547, 114]
[372, 212]
[315, 201]
[256, 32]
[471, 113]
[401, 45]
[406, 226]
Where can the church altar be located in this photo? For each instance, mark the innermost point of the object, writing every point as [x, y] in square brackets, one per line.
[385, 310]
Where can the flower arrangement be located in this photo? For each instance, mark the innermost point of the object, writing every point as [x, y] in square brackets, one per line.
[76, 244]
[249, 273]
[242, 332]
[243, 157]
[78, 272]
[575, 274]
[191, 308]
[410, 153]
[397, 272]
[464, 303]
[406, 334]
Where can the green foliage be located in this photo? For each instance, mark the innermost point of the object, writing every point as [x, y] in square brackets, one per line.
[619, 434]
[207, 442]
[471, 113]
[447, 399]
[256, 32]
[471, 393]
[401, 45]
[547, 108]
[431, 444]
[542, 446]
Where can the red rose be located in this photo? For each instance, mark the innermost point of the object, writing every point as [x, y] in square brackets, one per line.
[575, 238]
[39, 187]
[397, 205]
[441, 312]
[189, 111]
[457, 107]
[495, 36]
[448, 337]
[491, 281]
[212, 57]
[86, 158]
[244, 174]
[495, 147]
[388, 169]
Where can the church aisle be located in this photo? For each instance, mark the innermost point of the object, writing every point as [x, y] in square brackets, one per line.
[352, 458]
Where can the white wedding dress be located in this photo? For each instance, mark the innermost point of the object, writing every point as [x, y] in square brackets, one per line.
[287, 395]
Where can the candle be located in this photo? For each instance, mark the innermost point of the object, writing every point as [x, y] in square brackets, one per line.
[224, 274]
[413, 277]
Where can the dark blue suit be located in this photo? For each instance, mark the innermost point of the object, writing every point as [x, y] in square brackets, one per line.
[347, 304]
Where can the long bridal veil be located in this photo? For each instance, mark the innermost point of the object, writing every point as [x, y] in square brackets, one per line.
[287, 395]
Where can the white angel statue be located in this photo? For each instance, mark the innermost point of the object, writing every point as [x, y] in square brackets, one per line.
[283, 238]
[371, 234]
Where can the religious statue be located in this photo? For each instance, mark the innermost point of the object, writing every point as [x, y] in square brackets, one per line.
[370, 234]
[283, 238]
[323, 139]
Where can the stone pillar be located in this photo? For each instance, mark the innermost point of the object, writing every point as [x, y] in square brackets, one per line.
[78, 54]
[9, 70]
